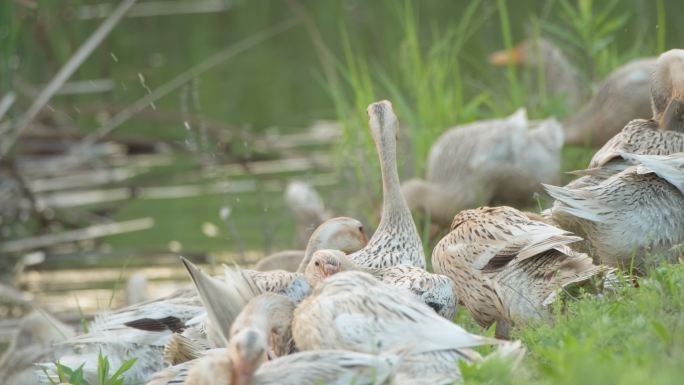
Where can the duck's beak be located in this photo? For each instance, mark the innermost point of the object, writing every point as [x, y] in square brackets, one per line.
[329, 270]
[673, 117]
[503, 57]
[364, 238]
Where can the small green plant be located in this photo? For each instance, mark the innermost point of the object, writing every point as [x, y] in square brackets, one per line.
[75, 376]
[67, 375]
[588, 30]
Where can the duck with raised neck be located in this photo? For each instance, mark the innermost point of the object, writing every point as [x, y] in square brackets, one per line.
[396, 241]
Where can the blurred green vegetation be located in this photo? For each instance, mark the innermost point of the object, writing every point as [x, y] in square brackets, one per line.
[429, 58]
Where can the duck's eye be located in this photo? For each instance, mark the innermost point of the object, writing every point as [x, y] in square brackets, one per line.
[361, 229]
[317, 264]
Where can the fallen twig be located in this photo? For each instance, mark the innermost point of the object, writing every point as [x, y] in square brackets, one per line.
[91, 232]
[156, 8]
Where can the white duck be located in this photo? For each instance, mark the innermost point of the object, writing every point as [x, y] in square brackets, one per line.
[436, 291]
[144, 330]
[244, 364]
[484, 161]
[341, 233]
[354, 311]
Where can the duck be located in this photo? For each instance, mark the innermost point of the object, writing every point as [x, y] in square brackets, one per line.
[508, 268]
[663, 133]
[36, 339]
[307, 207]
[354, 311]
[341, 233]
[243, 363]
[239, 300]
[147, 329]
[659, 135]
[272, 313]
[484, 161]
[396, 240]
[266, 321]
[633, 218]
[562, 79]
[140, 331]
[436, 291]
[621, 97]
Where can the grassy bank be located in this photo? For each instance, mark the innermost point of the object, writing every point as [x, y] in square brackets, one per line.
[635, 336]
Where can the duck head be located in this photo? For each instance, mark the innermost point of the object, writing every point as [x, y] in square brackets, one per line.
[530, 53]
[667, 91]
[383, 123]
[247, 350]
[325, 263]
[271, 313]
[342, 233]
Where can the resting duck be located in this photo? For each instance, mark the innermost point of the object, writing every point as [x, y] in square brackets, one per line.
[261, 330]
[354, 311]
[508, 268]
[632, 217]
[485, 161]
[396, 240]
[621, 97]
[147, 329]
[243, 363]
[436, 291]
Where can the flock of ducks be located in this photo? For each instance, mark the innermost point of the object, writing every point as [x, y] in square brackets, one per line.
[366, 311]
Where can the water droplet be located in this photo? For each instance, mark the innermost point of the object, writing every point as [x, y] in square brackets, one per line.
[224, 213]
[175, 246]
[209, 229]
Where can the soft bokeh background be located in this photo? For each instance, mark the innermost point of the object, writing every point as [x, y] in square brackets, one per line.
[208, 161]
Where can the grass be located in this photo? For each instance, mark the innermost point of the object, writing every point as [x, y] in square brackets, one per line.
[75, 376]
[634, 336]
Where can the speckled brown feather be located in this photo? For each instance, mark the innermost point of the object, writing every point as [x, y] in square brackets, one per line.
[505, 266]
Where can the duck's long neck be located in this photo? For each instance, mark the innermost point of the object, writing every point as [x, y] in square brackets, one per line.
[394, 207]
[313, 246]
